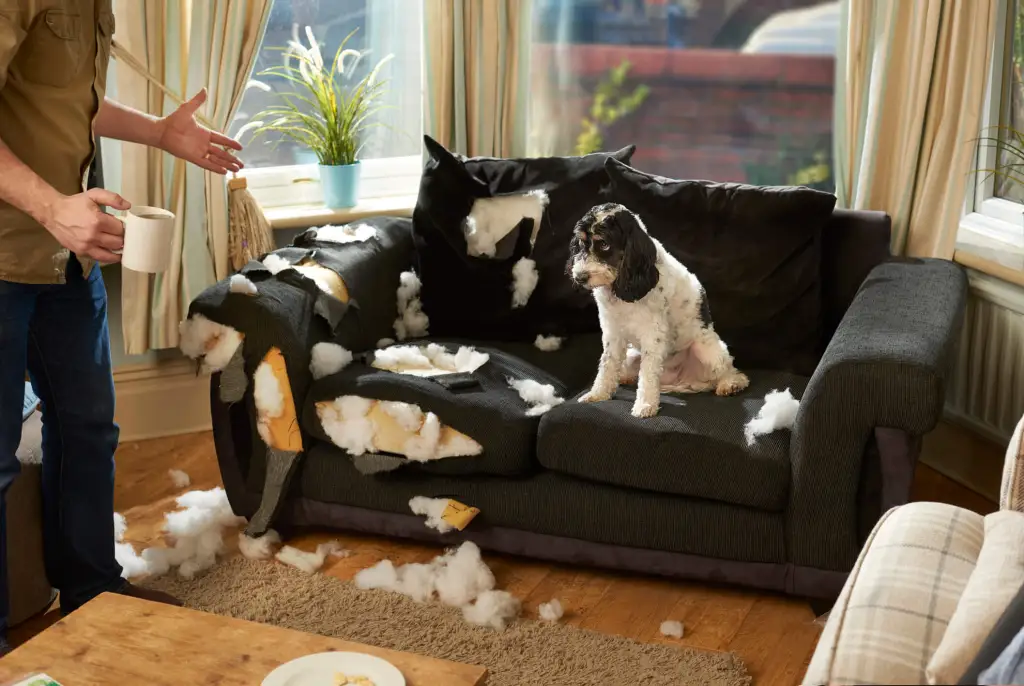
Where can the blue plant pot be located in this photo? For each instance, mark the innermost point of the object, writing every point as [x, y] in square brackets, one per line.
[340, 184]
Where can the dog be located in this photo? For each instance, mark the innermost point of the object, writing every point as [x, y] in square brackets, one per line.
[656, 327]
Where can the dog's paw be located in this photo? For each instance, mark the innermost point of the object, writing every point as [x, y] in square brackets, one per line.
[593, 397]
[733, 384]
[642, 410]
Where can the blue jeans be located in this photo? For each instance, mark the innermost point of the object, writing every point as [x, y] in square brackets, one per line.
[59, 333]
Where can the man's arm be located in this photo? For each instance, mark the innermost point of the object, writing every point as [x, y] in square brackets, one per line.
[123, 123]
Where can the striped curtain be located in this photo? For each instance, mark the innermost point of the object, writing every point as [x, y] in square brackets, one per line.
[910, 86]
[477, 75]
[187, 45]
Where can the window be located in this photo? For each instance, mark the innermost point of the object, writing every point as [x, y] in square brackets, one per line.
[281, 173]
[725, 90]
[995, 208]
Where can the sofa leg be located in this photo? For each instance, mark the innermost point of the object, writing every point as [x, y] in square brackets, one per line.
[281, 466]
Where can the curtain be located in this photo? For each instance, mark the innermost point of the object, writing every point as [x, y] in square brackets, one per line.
[910, 85]
[477, 75]
[187, 45]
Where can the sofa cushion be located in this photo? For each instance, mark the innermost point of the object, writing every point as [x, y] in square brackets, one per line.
[695, 446]
[491, 413]
[756, 251]
[470, 295]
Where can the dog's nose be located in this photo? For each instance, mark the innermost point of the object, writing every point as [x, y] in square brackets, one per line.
[581, 278]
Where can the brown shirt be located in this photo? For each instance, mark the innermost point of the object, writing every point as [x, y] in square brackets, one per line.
[53, 75]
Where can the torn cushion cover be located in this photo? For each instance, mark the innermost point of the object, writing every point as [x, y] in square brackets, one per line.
[756, 251]
[492, 414]
[472, 296]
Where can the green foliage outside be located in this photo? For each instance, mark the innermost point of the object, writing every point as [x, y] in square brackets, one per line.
[611, 103]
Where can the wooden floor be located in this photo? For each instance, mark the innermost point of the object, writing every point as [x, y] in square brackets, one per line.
[775, 635]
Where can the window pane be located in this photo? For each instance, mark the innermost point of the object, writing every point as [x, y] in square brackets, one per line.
[383, 27]
[1010, 184]
[726, 90]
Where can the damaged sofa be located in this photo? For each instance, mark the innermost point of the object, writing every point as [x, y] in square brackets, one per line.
[321, 418]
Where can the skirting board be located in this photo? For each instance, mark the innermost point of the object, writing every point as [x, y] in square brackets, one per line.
[161, 399]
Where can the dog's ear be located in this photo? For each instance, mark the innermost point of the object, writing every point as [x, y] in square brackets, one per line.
[575, 248]
[638, 272]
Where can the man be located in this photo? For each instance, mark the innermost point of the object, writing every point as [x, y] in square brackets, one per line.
[53, 305]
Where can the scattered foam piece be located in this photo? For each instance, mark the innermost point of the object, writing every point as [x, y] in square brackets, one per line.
[548, 344]
[491, 219]
[276, 264]
[492, 609]
[132, 565]
[429, 360]
[179, 478]
[672, 628]
[349, 233]
[240, 283]
[214, 343]
[432, 509]
[551, 611]
[540, 397]
[327, 359]
[385, 342]
[120, 527]
[309, 562]
[462, 576]
[260, 547]
[524, 281]
[269, 399]
[412, 321]
[778, 412]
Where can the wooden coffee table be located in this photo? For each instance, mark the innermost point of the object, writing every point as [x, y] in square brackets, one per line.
[114, 639]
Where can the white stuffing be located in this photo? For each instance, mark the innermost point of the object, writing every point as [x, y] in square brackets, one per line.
[327, 359]
[409, 416]
[385, 342]
[268, 398]
[672, 628]
[540, 397]
[120, 527]
[412, 321]
[491, 219]
[429, 360]
[551, 611]
[260, 547]
[310, 562]
[213, 342]
[240, 283]
[432, 509]
[423, 446]
[524, 281]
[349, 233]
[346, 424]
[548, 344]
[275, 263]
[778, 412]
[179, 478]
[492, 609]
[457, 577]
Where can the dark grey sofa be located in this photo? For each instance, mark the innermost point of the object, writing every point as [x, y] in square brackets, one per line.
[682, 496]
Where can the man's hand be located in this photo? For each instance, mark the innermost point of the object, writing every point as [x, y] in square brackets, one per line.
[184, 137]
[79, 223]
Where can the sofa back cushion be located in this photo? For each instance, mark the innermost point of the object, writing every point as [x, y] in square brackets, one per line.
[472, 294]
[756, 251]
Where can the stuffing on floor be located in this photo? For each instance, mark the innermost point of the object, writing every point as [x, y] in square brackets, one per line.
[179, 478]
[548, 344]
[443, 514]
[524, 281]
[428, 360]
[215, 344]
[778, 412]
[672, 629]
[362, 425]
[327, 359]
[550, 611]
[540, 397]
[260, 547]
[349, 233]
[240, 283]
[310, 562]
[457, 579]
[491, 219]
[412, 321]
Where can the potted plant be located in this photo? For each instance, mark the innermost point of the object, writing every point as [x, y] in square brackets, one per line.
[327, 113]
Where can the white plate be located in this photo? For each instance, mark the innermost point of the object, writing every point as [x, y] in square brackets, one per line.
[320, 669]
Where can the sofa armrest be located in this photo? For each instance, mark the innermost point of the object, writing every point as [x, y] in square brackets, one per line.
[885, 366]
[1011, 492]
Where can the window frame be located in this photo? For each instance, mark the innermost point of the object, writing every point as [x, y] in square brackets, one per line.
[986, 215]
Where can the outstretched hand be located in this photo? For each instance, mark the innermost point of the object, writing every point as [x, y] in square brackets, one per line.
[184, 137]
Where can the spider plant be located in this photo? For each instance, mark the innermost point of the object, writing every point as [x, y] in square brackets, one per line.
[1008, 167]
[326, 112]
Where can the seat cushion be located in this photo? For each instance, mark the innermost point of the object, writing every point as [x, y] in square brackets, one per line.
[491, 413]
[694, 447]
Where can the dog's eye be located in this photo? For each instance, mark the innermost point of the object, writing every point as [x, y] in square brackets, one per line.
[600, 246]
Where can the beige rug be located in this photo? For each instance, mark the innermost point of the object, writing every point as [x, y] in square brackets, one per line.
[528, 653]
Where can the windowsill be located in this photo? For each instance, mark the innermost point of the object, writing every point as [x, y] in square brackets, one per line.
[305, 216]
[991, 246]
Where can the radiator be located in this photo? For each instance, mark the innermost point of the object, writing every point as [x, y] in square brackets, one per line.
[986, 392]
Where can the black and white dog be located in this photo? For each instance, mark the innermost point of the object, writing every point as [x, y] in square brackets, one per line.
[655, 323]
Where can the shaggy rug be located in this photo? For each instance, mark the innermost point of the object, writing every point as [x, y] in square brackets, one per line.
[528, 653]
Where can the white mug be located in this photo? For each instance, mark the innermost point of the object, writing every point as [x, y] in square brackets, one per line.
[148, 236]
